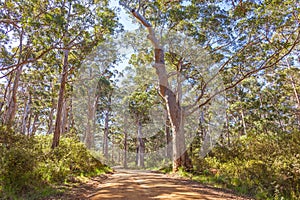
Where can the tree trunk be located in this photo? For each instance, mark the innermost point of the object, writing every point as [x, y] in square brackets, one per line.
[64, 117]
[35, 125]
[106, 127]
[243, 123]
[71, 116]
[89, 135]
[180, 156]
[5, 98]
[61, 96]
[12, 104]
[50, 120]
[29, 123]
[119, 156]
[180, 152]
[125, 144]
[112, 153]
[297, 112]
[62, 89]
[105, 135]
[26, 114]
[227, 129]
[141, 145]
[168, 138]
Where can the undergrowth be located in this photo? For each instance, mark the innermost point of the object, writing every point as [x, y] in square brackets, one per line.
[262, 167]
[30, 169]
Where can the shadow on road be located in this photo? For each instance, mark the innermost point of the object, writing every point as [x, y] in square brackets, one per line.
[144, 185]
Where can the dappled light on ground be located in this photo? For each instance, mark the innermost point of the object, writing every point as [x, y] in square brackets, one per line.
[142, 185]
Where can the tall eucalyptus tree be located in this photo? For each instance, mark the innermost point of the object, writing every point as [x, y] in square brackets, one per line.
[243, 38]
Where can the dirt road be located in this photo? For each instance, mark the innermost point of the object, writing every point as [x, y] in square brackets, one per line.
[144, 185]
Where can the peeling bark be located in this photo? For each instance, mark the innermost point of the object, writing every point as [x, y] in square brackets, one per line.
[175, 112]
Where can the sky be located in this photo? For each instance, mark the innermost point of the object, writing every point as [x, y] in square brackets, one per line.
[123, 16]
[128, 25]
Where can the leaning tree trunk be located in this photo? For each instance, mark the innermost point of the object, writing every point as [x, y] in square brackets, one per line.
[180, 156]
[61, 96]
[12, 104]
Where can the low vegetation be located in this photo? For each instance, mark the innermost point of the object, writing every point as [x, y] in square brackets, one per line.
[30, 169]
[220, 79]
[263, 167]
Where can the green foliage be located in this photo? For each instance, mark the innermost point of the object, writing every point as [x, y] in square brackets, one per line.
[140, 103]
[166, 169]
[18, 161]
[262, 166]
[28, 165]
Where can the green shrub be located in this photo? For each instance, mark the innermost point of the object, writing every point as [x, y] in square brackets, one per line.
[263, 166]
[19, 160]
[28, 164]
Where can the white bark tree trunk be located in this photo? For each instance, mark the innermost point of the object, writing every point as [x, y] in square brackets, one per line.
[243, 123]
[175, 112]
[105, 135]
[125, 144]
[168, 138]
[27, 108]
[141, 145]
[89, 134]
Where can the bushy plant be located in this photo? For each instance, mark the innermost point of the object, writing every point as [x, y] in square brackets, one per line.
[28, 164]
[263, 166]
[19, 160]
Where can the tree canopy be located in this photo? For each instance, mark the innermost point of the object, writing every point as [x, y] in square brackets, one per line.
[208, 87]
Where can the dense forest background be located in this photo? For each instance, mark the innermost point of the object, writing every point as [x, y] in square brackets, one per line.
[207, 89]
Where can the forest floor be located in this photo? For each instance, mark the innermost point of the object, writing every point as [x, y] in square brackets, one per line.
[143, 185]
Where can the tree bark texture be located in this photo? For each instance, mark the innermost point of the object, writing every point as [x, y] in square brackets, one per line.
[61, 96]
[180, 156]
[175, 112]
